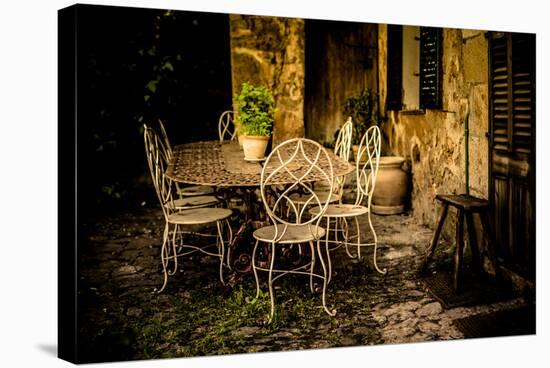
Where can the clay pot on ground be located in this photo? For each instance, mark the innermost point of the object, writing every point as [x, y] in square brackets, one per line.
[391, 186]
[254, 146]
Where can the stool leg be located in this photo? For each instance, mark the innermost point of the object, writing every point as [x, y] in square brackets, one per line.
[472, 239]
[490, 241]
[435, 239]
[459, 253]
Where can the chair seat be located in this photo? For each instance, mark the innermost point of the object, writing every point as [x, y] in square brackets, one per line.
[341, 210]
[195, 190]
[192, 202]
[199, 216]
[322, 195]
[293, 233]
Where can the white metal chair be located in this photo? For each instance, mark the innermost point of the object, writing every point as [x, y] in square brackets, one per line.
[226, 126]
[366, 172]
[342, 149]
[183, 201]
[284, 160]
[187, 191]
[176, 218]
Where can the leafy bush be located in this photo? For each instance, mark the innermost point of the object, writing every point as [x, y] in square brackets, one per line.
[362, 109]
[256, 109]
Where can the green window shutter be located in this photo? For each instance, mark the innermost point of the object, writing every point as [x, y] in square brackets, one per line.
[394, 67]
[431, 51]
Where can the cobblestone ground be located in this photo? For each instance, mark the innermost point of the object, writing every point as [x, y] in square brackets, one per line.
[121, 316]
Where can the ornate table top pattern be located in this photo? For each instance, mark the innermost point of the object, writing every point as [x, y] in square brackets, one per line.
[220, 164]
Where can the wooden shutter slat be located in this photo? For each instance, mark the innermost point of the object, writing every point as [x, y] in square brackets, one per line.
[511, 90]
[500, 92]
[430, 67]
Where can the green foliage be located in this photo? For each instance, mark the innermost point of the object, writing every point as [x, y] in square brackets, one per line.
[363, 109]
[256, 109]
[160, 61]
[328, 144]
[113, 190]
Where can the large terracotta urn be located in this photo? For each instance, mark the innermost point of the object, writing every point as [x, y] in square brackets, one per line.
[390, 191]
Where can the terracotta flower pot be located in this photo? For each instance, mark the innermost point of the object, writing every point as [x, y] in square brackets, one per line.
[254, 146]
[390, 190]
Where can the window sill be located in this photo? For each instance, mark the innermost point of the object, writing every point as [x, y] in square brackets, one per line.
[412, 112]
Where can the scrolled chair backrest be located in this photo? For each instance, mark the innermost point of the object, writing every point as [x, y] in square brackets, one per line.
[342, 149]
[368, 157]
[165, 141]
[297, 161]
[157, 166]
[226, 127]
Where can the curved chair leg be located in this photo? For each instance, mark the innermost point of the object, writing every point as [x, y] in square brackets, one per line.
[382, 271]
[180, 240]
[229, 241]
[163, 257]
[336, 230]
[326, 249]
[329, 261]
[325, 277]
[270, 283]
[254, 269]
[175, 251]
[346, 237]
[230, 231]
[358, 229]
[312, 247]
[221, 249]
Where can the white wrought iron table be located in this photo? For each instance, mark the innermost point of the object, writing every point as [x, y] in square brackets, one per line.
[222, 165]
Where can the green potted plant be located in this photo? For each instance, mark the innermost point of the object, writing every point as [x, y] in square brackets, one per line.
[361, 109]
[255, 112]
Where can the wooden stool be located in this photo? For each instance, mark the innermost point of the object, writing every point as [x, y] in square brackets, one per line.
[466, 206]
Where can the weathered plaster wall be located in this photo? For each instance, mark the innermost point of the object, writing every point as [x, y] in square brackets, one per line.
[382, 67]
[434, 141]
[269, 51]
[340, 62]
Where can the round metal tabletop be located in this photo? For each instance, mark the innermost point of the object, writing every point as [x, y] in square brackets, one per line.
[222, 164]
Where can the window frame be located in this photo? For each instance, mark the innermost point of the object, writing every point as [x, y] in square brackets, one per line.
[394, 69]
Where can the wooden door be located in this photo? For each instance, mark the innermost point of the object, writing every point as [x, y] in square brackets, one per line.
[512, 148]
[341, 60]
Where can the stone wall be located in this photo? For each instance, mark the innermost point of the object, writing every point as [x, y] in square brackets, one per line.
[269, 51]
[433, 142]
